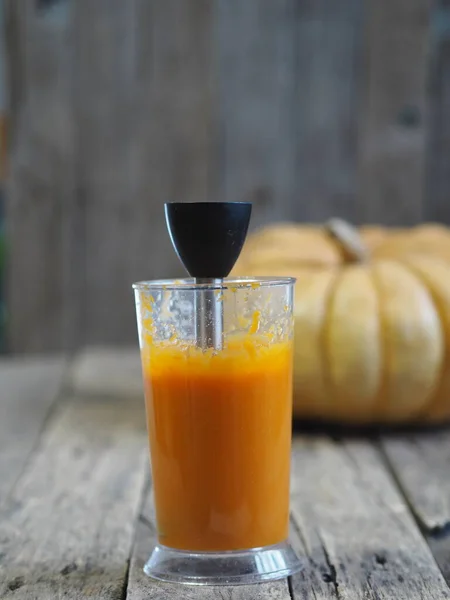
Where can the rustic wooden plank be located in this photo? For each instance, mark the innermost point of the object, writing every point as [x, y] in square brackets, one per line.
[3, 99]
[394, 112]
[288, 93]
[104, 80]
[68, 527]
[28, 391]
[438, 175]
[107, 371]
[357, 531]
[41, 181]
[141, 587]
[327, 72]
[255, 138]
[421, 465]
[14, 32]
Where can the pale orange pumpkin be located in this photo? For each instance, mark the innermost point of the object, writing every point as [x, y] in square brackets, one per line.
[295, 244]
[428, 239]
[372, 337]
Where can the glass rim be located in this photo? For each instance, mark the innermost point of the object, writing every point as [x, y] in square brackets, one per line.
[188, 283]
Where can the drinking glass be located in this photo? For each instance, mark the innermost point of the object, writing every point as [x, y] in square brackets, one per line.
[219, 426]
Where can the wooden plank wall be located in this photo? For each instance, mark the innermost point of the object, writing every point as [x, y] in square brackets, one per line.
[309, 109]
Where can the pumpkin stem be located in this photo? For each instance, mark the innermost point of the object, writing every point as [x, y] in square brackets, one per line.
[348, 239]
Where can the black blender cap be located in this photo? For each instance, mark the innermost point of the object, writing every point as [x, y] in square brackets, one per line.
[208, 236]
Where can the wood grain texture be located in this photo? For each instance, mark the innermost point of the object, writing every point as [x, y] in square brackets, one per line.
[28, 391]
[327, 72]
[438, 175]
[421, 465]
[287, 98]
[41, 181]
[355, 528]
[141, 587]
[15, 65]
[255, 140]
[68, 527]
[393, 113]
[3, 147]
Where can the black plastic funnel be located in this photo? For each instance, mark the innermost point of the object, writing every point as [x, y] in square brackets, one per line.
[208, 236]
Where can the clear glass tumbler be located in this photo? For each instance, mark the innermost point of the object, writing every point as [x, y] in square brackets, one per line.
[219, 425]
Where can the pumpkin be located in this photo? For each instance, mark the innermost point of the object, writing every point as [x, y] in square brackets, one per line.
[372, 335]
[429, 239]
[314, 246]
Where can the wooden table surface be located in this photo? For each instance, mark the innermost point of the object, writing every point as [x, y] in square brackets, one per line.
[370, 518]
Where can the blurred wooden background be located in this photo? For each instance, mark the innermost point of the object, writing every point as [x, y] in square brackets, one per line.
[308, 108]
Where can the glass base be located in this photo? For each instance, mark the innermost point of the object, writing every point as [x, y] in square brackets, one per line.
[223, 568]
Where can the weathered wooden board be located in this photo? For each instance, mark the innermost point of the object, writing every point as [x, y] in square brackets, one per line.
[255, 137]
[28, 391]
[326, 75]
[393, 113]
[108, 372]
[437, 207]
[288, 94]
[355, 528]
[141, 587]
[421, 464]
[40, 189]
[68, 527]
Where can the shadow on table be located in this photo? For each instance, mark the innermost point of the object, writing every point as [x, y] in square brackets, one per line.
[338, 431]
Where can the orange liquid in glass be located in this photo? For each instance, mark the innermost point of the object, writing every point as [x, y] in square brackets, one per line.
[220, 438]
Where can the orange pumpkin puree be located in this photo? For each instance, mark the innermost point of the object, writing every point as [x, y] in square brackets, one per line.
[220, 435]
